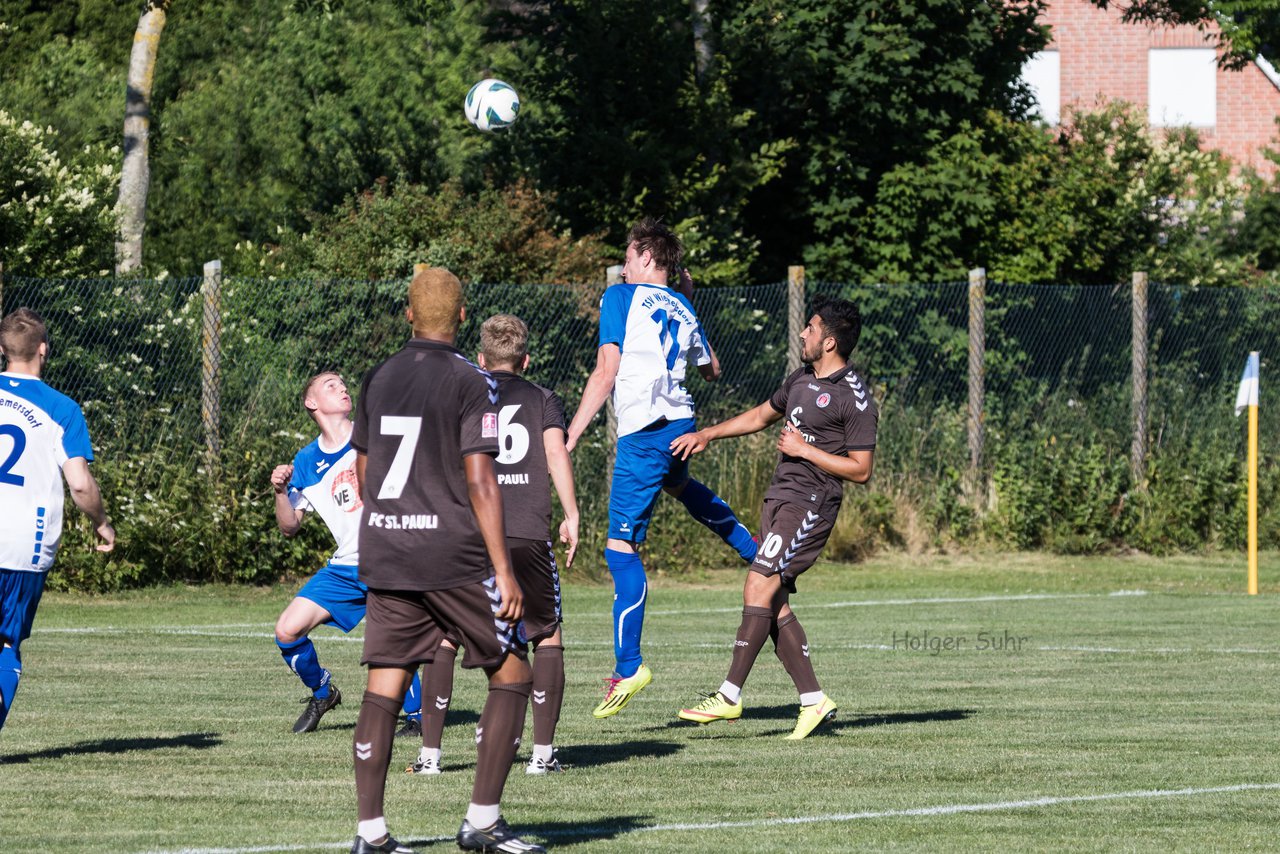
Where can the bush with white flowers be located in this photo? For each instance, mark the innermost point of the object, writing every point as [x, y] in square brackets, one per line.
[57, 215]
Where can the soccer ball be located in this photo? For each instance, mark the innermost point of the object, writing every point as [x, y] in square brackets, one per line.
[492, 104]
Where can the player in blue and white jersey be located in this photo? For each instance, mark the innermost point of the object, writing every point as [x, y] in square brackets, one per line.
[43, 439]
[648, 333]
[322, 479]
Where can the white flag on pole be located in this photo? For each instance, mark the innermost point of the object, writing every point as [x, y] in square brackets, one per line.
[1248, 394]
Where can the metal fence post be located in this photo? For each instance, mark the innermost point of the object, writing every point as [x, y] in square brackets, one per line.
[1138, 453]
[211, 367]
[795, 315]
[977, 377]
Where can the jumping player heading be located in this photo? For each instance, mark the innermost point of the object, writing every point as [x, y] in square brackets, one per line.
[829, 438]
[648, 332]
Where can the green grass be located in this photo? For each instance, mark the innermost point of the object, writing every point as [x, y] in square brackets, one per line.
[159, 721]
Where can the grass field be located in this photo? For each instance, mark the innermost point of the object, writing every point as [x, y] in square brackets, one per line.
[1134, 707]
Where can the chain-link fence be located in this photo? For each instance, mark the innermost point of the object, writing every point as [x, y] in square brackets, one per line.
[136, 354]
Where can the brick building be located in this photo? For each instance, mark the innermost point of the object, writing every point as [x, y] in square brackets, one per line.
[1172, 71]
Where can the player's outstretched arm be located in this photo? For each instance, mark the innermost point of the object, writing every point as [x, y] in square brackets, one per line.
[486, 503]
[855, 466]
[599, 387]
[561, 469]
[752, 421]
[88, 497]
[287, 517]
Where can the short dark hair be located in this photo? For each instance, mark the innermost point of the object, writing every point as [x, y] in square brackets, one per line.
[841, 320]
[21, 333]
[652, 236]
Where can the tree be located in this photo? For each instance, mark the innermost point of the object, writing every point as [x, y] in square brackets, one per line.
[508, 235]
[135, 176]
[862, 86]
[56, 218]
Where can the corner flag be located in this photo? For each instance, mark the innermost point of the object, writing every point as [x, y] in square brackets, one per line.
[1248, 393]
[1247, 398]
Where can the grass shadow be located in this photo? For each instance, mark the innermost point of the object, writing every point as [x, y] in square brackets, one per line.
[569, 833]
[193, 741]
[588, 755]
[890, 718]
[788, 713]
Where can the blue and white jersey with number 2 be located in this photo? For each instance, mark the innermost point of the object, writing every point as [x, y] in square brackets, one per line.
[325, 481]
[658, 333]
[40, 429]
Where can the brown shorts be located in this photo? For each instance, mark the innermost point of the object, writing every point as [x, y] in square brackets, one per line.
[791, 538]
[534, 564]
[403, 628]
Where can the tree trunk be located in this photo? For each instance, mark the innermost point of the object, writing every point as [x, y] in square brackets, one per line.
[135, 176]
[704, 47]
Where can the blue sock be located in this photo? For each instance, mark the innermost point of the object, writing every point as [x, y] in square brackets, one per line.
[710, 509]
[301, 658]
[413, 698]
[10, 671]
[630, 589]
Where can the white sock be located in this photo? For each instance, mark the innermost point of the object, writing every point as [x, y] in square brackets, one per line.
[543, 752]
[482, 817]
[428, 753]
[373, 829]
[811, 697]
[731, 692]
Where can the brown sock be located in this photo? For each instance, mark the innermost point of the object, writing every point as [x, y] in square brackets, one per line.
[375, 729]
[548, 691]
[793, 652]
[752, 633]
[497, 737]
[437, 689]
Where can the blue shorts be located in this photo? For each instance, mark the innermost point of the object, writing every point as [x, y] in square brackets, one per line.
[642, 466]
[20, 593]
[337, 589]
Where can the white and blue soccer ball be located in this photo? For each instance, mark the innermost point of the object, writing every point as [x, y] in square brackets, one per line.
[492, 105]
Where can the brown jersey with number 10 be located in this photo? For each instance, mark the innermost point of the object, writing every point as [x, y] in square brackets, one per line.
[836, 414]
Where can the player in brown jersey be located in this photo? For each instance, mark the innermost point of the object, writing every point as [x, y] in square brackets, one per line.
[434, 557]
[531, 444]
[829, 437]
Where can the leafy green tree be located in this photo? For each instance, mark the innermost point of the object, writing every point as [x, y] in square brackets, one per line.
[56, 216]
[1089, 204]
[508, 235]
[863, 87]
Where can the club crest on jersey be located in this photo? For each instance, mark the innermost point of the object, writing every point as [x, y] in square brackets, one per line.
[823, 400]
[489, 425]
[346, 491]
